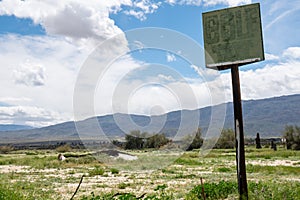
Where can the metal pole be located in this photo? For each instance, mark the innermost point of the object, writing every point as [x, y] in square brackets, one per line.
[239, 133]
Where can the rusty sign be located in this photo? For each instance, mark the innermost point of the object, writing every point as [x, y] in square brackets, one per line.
[233, 36]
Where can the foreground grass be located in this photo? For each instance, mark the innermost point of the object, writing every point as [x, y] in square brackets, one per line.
[271, 175]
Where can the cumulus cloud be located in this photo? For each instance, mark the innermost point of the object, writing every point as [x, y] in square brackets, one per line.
[74, 19]
[46, 66]
[30, 74]
[276, 79]
[141, 8]
[29, 115]
[292, 53]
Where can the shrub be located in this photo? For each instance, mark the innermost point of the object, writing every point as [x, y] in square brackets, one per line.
[134, 140]
[114, 171]
[197, 141]
[64, 148]
[219, 190]
[6, 149]
[292, 136]
[156, 141]
[122, 185]
[226, 140]
[138, 140]
[96, 171]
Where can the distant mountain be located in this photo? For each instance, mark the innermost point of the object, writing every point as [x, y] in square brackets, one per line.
[266, 116]
[13, 127]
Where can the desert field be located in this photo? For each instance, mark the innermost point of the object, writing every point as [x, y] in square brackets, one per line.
[153, 174]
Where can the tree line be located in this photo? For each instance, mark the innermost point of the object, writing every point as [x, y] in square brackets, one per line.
[138, 140]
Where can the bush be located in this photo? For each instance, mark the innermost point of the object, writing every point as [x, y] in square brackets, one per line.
[114, 171]
[226, 140]
[134, 140]
[64, 148]
[138, 140]
[6, 149]
[197, 141]
[122, 185]
[156, 141]
[219, 190]
[257, 191]
[96, 171]
[292, 136]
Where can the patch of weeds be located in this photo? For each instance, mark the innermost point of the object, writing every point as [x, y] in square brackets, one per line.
[96, 171]
[102, 186]
[114, 171]
[274, 190]
[279, 170]
[31, 153]
[64, 148]
[168, 171]
[257, 191]
[7, 193]
[214, 191]
[296, 163]
[224, 169]
[187, 161]
[122, 185]
[6, 149]
[181, 175]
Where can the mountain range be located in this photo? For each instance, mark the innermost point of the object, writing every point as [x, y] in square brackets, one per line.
[266, 116]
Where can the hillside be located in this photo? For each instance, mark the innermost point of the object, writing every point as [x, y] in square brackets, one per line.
[266, 116]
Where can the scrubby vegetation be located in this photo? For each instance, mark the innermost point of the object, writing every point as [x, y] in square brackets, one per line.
[37, 174]
[292, 136]
[138, 140]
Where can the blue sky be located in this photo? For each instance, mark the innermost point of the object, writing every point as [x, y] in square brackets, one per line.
[44, 47]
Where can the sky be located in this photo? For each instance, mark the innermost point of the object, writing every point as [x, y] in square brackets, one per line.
[66, 60]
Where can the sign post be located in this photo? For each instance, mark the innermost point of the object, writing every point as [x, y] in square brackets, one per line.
[239, 133]
[233, 37]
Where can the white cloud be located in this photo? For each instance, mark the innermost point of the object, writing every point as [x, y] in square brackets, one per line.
[292, 53]
[71, 18]
[30, 74]
[51, 63]
[29, 115]
[141, 8]
[170, 57]
[271, 57]
[276, 79]
[165, 78]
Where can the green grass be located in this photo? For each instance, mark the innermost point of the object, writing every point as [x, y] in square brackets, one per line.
[96, 171]
[257, 191]
[279, 170]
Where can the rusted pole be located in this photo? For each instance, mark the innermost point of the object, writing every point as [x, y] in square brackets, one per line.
[239, 133]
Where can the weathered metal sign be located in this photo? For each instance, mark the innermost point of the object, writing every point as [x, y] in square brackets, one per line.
[233, 36]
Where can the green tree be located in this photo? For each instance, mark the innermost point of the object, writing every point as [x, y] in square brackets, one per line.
[134, 140]
[197, 141]
[226, 140]
[156, 141]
